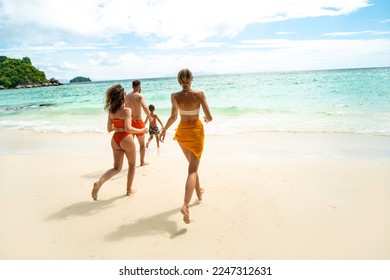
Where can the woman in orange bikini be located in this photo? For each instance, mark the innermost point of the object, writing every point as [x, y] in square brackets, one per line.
[122, 143]
[189, 133]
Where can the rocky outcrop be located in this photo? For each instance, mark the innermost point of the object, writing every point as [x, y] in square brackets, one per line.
[51, 82]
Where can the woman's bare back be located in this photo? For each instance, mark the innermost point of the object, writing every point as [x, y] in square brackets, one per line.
[188, 100]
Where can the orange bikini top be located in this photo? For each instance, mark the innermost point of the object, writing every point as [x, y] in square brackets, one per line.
[118, 123]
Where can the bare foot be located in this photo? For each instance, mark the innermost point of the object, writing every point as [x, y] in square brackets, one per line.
[200, 194]
[186, 214]
[131, 191]
[95, 190]
[144, 163]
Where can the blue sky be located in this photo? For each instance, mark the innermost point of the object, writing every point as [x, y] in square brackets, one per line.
[118, 39]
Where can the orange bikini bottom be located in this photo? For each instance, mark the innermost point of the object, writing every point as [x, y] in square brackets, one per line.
[118, 136]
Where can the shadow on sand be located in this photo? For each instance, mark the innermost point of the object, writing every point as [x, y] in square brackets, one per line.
[157, 224]
[85, 208]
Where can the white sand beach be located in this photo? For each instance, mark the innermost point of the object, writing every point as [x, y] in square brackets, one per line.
[267, 196]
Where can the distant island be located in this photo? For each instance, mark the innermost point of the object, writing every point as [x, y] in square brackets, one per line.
[80, 80]
[20, 73]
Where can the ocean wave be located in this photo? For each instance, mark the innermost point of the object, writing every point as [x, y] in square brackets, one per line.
[25, 107]
[221, 125]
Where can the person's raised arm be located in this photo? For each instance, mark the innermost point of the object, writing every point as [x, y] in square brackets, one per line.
[172, 118]
[208, 117]
[145, 108]
[146, 120]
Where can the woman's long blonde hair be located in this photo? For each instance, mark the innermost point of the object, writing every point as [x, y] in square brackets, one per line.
[184, 77]
[115, 98]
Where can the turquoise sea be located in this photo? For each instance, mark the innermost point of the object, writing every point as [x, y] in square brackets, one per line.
[334, 101]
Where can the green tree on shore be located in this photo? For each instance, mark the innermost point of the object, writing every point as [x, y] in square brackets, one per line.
[14, 72]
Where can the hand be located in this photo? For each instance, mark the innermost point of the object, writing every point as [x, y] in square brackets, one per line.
[162, 136]
[206, 120]
[145, 130]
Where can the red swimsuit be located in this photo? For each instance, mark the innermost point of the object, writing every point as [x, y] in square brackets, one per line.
[138, 124]
[118, 136]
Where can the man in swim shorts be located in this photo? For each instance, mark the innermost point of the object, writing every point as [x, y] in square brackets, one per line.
[136, 101]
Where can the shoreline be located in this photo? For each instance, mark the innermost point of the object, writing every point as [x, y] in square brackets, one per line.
[14, 141]
[267, 196]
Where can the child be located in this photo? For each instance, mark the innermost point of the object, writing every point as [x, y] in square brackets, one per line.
[153, 128]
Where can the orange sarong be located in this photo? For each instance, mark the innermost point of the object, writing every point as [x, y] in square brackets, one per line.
[138, 124]
[190, 135]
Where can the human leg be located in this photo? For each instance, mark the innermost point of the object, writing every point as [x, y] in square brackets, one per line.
[158, 140]
[198, 189]
[149, 140]
[191, 183]
[118, 154]
[142, 149]
[128, 146]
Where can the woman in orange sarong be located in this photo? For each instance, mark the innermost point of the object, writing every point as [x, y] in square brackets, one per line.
[190, 133]
[122, 143]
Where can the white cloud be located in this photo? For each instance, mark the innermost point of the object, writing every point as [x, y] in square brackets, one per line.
[56, 47]
[190, 21]
[356, 33]
[249, 56]
[267, 43]
[90, 36]
[285, 33]
[68, 65]
[176, 44]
